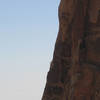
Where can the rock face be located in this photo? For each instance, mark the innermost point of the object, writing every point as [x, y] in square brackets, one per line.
[75, 69]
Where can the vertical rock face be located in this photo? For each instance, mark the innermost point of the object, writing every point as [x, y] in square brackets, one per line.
[75, 69]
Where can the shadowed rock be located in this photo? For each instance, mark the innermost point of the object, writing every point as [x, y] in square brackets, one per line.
[75, 69]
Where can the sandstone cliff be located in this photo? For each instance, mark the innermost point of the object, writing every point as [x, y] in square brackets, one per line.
[75, 69]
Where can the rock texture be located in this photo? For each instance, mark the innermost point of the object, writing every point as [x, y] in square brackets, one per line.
[75, 69]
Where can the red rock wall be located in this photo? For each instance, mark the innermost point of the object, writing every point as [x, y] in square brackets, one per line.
[75, 69]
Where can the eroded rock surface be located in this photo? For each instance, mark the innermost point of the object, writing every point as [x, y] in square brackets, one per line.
[75, 69]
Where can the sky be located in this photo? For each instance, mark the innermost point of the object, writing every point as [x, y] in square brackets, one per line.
[28, 31]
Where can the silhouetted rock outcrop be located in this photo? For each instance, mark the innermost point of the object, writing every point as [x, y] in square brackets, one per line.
[75, 69]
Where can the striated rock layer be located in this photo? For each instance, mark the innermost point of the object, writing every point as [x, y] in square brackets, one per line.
[75, 69]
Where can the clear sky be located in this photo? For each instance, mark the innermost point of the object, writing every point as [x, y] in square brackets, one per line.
[28, 30]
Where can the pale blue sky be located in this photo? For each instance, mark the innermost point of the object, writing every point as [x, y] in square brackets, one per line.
[28, 30]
